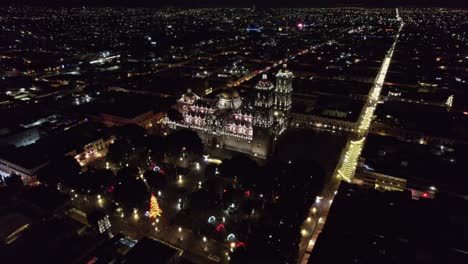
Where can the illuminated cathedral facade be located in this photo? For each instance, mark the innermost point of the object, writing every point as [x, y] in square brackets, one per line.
[249, 124]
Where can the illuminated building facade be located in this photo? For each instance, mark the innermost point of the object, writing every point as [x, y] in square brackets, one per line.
[245, 124]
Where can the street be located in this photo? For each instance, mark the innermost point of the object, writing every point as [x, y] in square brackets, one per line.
[348, 162]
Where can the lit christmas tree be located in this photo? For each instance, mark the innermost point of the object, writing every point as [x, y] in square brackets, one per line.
[155, 210]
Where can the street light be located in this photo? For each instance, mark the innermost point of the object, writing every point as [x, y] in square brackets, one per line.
[318, 198]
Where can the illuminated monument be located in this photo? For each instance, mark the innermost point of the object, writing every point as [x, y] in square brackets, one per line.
[247, 124]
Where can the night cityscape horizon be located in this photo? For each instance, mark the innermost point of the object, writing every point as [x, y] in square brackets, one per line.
[298, 132]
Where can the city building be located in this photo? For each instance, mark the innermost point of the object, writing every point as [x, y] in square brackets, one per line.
[24, 162]
[84, 142]
[145, 119]
[245, 124]
[19, 137]
[153, 251]
[370, 226]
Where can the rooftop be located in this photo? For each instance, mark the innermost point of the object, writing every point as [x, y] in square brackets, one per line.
[148, 250]
[368, 226]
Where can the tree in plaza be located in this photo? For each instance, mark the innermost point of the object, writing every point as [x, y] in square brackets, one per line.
[184, 138]
[62, 169]
[247, 206]
[203, 200]
[130, 190]
[155, 210]
[240, 168]
[131, 132]
[210, 170]
[230, 196]
[264, 182]
[269, 242]
[202, 204]
[155, 146]
[155, 180]
[119, 152]
[97, 180]
[214, 185]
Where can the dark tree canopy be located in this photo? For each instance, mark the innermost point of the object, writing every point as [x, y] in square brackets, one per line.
[241, 168]
[155, 180]
[97, 180]
[130, 132]
[276, 237]
[187, 139]
[63, 169]
[130, 190]
[119, 152]
[156, 145]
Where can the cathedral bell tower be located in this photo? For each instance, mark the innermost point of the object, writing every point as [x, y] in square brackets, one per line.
[263, 118]
[263, 103]
[283, 90]
[282, 102]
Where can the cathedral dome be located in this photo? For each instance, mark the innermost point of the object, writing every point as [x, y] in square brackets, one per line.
[229, 99]
[229, 94]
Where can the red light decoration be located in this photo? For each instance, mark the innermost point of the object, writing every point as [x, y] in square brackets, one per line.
[111, 188]
[224, 190]
[92, 261]
[240, 244]
[220, 227]
[425, 195]
[300, 25]
[247, 193]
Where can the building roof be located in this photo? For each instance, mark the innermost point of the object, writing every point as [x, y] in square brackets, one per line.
[28, 157]
[229, 94]
[39, 153]
[369, 226]
[148, 250]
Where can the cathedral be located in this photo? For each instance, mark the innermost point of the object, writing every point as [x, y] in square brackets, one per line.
[247, 124]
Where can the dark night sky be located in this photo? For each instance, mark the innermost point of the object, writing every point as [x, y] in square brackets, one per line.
[240, 3]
